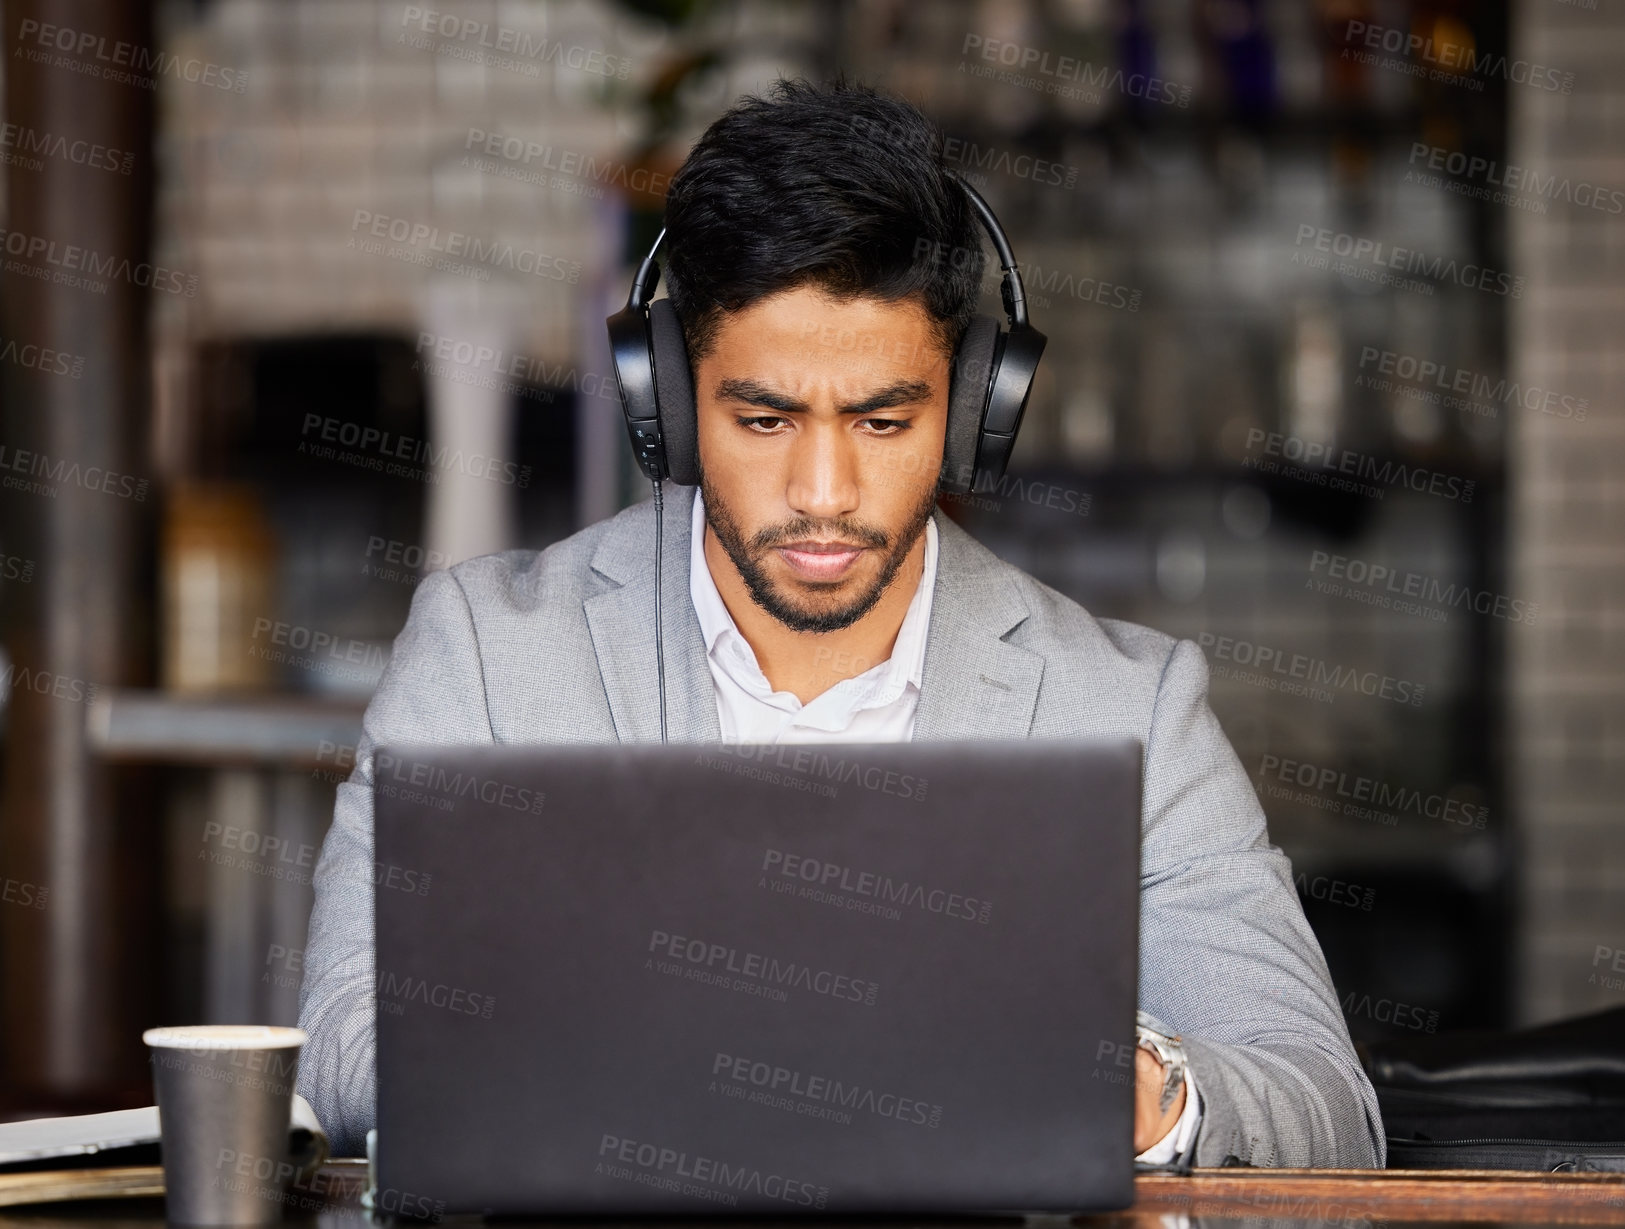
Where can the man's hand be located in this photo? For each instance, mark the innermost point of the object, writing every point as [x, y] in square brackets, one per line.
[1150, 1122]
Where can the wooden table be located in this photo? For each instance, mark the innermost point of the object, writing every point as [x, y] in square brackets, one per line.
[1365, 1199]
[1333, 1199]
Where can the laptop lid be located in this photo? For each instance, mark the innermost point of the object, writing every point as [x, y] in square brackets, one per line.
[697, 978]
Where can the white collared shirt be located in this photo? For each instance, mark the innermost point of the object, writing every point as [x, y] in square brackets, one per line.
[875, 706]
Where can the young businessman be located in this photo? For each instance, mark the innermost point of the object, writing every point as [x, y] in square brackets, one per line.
[818, 596]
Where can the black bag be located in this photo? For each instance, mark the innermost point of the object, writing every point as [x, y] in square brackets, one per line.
[1549, 1098]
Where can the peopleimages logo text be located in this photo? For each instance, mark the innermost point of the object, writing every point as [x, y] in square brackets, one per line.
[84, 267]
[1335, 891]
[1338, 782]
[1392, 581]
[1038, 281]
[1273, 666]
[1022, 58]
[1382, 254]
[395, 992]
[437, 779]
[41, 358]
[669, 1167]
[815, 763]
[514, 48]
[778, 1083]
[485, 366]
[1426, 376]
[1515, 179]
[24, 141]
[384, 446]
[1018, 166]
[1314, 457]
[835, 877]
[721, 958]
[87, 477]
[584, 168]
[1390, 1011]
[492, 253]
[969, 158]
[94, 55]
[1454, 56]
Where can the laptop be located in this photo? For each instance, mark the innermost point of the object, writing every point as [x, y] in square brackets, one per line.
[707, 978]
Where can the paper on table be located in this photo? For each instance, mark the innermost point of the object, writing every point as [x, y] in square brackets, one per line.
[39, 1139]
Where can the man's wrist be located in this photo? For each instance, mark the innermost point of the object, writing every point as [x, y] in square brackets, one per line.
[1165, 1046]
[1176, 1150]
[1176, 1147]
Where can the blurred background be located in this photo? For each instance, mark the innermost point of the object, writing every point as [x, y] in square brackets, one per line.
[302, 299]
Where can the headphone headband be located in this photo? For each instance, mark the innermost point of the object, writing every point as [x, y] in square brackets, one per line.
[647, 276]
[1011, 290]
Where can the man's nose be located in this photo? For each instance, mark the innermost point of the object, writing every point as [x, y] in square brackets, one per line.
[823, 472]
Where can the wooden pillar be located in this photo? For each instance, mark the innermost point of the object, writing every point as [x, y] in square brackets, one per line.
[77, 960]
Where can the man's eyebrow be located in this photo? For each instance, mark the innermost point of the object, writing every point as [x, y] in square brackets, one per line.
[753, 393]
[902, 392]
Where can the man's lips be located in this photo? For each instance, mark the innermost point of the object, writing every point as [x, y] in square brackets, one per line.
[820, 560]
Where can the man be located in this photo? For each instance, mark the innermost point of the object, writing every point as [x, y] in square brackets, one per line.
[814, 594]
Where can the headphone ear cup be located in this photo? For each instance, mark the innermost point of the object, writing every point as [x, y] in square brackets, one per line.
[674, 394]
[968, 386]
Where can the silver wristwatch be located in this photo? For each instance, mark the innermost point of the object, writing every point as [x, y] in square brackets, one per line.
[1152, 1034]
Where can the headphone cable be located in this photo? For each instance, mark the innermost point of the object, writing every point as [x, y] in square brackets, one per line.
[660, 649]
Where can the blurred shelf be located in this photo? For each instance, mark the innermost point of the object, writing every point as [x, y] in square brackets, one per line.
[1376, 125]
[1136, 471]
[291, 731]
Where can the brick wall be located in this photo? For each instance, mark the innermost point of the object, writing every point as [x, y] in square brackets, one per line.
[1566, 699]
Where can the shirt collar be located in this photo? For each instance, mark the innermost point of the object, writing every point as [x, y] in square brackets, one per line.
[905, 665]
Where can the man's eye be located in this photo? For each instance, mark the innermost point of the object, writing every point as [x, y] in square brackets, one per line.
[763, 420]
[890, 426]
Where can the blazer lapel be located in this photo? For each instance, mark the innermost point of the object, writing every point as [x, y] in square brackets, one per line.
[622, 623]
[975, 683]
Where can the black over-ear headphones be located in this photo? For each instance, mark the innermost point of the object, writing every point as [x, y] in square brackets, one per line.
[991, 378]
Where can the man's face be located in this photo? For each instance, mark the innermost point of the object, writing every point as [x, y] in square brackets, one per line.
[821, 425]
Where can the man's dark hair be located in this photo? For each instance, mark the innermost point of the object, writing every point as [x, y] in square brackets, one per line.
[835, 186]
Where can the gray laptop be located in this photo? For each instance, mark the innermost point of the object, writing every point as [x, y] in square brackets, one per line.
[711, 978]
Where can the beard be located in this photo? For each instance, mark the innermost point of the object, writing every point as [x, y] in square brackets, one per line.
[831, 614]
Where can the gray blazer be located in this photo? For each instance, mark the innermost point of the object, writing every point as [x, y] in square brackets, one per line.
[558, 646]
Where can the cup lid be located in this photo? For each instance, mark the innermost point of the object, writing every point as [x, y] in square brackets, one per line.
[225, 1037]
